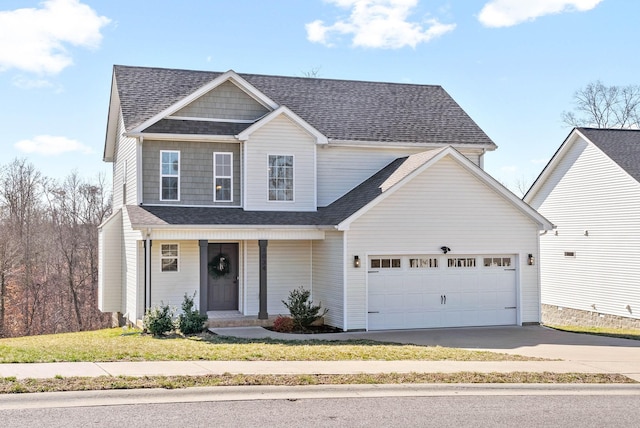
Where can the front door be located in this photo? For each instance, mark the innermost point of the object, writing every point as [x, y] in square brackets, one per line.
[223, 277]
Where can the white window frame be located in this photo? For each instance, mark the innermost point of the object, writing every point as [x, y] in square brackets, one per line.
[216, 176]
[293, 178]
[162, 175]
[164, 257]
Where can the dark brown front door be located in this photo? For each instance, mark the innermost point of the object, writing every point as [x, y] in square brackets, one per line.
[223, 277]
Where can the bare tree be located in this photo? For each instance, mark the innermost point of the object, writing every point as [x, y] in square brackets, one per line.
[600, 106]
[313, 72]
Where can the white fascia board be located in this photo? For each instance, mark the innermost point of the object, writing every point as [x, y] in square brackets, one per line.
[182, 137]
[568, 142]
[408, 145]
[117, 213]
[229, 75]
[246, 134]
[469, 166]
[112, 123]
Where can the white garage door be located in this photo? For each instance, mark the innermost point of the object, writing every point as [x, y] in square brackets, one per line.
[429, 291]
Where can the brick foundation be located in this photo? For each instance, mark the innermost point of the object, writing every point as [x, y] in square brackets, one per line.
[555, 315]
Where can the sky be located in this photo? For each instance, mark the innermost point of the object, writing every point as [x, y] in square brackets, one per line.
[512, 65]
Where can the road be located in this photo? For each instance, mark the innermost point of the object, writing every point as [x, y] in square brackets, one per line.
[437, 406]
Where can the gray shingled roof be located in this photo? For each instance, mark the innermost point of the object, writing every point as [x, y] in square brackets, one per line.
[621, 145]
[331, 215]
[339, 109]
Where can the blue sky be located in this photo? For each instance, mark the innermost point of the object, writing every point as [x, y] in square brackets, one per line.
[513, 65]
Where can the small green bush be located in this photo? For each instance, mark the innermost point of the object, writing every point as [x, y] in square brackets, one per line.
[283, 324]
[190, 320]
[158, 320]
[302, 309]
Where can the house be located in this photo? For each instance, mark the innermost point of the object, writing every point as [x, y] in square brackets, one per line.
[242, 187]
[591, 263]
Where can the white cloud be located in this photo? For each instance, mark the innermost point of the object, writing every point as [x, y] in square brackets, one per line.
[50, 145]
[378, 24]
[35, 40]
[505, 13]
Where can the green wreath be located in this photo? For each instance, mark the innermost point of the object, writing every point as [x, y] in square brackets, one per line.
[219, 265]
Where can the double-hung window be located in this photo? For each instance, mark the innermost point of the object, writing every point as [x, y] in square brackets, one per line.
[169, 175]
[222, 177]
[280, 178]
[169, 257]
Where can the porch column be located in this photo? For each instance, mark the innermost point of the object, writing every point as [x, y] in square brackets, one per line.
[204, 275]
[262, 314]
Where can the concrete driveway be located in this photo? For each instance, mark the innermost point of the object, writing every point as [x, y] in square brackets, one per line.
[603, 354]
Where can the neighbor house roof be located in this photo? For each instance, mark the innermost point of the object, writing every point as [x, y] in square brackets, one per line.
[621, 145]
[339, 109]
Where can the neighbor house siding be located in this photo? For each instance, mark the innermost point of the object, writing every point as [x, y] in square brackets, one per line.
[169, 288]
[288, 268]
[328, 276]
[110, 272]
[280, 137]
[125, 154]
[341, 168]
[444, 205]
[196, 171]
[596, 208]
[226, 101]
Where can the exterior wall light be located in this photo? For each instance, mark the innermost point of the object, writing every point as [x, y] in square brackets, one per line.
[356, 261]
[531, 260]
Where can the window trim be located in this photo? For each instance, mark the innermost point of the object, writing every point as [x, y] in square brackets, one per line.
[162, 175]
[216, 176]
[176, 257]
[293, 179]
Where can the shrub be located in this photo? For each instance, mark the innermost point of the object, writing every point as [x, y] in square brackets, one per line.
[158, 320]
[283, 324]
[302, 309]
[190, 321]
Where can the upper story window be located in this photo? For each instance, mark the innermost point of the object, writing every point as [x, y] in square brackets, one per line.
[169, 175]
[222, 177]
[280, 178]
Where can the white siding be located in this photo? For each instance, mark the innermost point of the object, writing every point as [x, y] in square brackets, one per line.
[280, 137]
[125, 152]
[288, 267]
[169, 287]
[328, 276]
[340, 169]
[132, 271]
[110, 265]
[445, 205]
[589, 193]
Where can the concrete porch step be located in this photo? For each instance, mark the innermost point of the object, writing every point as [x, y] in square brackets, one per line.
[236, 319]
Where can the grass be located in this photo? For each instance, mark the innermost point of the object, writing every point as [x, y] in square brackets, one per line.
[622, 333]
[59, 384]
[130, 345]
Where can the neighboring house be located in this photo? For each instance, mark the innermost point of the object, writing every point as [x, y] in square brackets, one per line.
[242, 187]
[590, 265]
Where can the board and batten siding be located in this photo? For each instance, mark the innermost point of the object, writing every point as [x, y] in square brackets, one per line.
[341, 168]
[596, 208]
[281, 136]
[225, 101]
[196, 171]
[288, 268]
[444, 205]
[125, 154]
[169, 288]
[132, 270]
[328, 276]
[110, 272]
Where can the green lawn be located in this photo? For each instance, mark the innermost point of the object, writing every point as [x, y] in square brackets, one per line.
[623, 333]
[130, 345]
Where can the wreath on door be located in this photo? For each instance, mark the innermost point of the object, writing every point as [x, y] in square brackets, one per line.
[219, 265]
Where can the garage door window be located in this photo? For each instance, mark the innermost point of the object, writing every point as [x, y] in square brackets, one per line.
[423, 263]
[385, 263]
[462, 262]
[497, 262]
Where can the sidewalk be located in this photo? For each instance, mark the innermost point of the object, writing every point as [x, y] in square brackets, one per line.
[578, 354]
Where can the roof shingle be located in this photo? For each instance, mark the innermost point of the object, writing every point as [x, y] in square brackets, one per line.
[621, 145]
